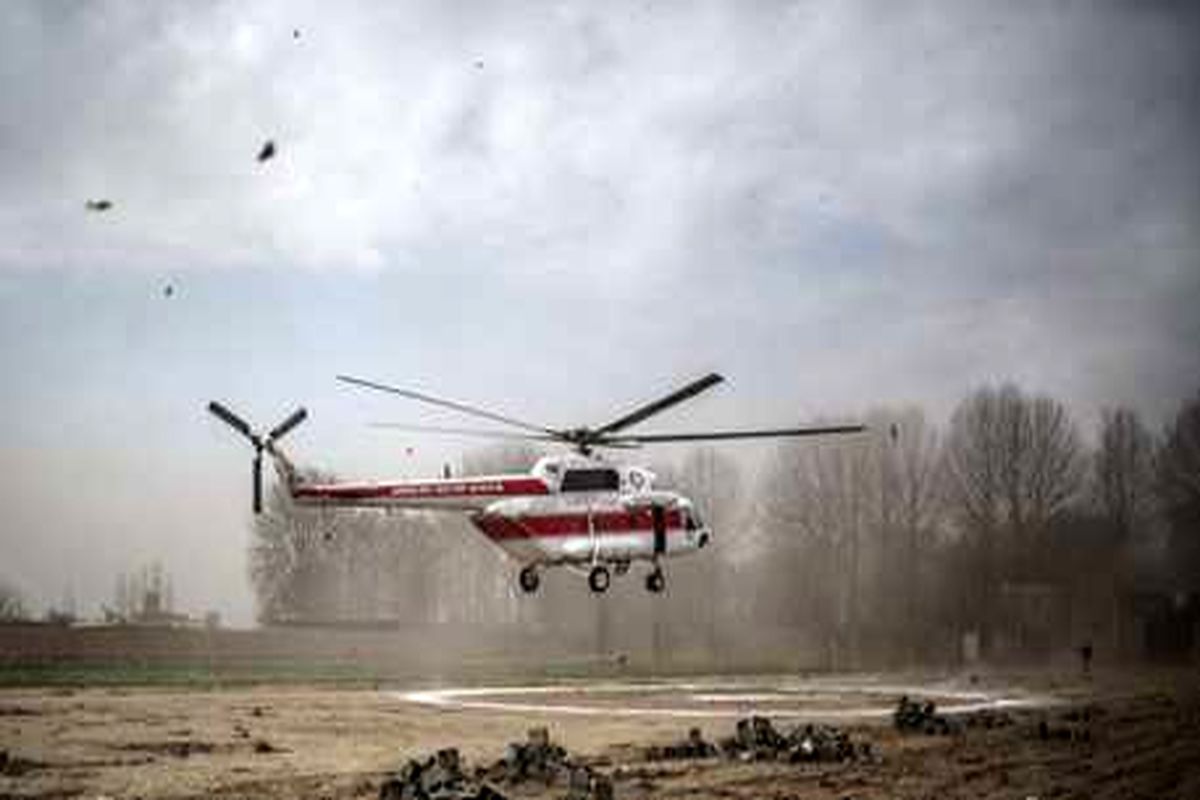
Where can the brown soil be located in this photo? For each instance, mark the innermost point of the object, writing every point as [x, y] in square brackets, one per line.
[1139, 737]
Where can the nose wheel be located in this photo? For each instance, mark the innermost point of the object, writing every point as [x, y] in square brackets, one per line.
[529, 579]
[656, 581]
[599, 579]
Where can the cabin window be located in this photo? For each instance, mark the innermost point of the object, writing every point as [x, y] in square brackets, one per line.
[590, 480]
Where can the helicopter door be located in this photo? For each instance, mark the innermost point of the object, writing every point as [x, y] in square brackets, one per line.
[660, 529]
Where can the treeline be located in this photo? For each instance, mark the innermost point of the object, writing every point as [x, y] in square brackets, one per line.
[1002, 534]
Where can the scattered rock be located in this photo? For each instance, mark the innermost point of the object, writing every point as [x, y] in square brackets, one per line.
[98, 205]
[693, 747]
[913, 716]
[988, 718]
[1071, 732]
[587, 784]
[534, 759]
[179, 748]
[757, 739]
[267, 152]
[19, 711]
[438, 777]
[443, 776]
[15, 766]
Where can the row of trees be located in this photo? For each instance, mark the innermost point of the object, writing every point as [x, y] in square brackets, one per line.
[1002, 529]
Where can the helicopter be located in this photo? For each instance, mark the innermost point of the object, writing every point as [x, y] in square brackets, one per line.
[576, 510]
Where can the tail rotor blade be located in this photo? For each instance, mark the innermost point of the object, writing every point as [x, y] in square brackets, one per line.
[231, 419]
[280, 430]
[257, 477]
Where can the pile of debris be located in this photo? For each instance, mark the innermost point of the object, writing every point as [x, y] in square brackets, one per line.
[756, 739]
[914, 716]
[693, 746]
[537, 758]
[988, 718]
[438, 777]
[443, 777]
[15, 766]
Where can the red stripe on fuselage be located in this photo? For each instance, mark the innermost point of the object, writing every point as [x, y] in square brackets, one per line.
[498, 487]
[499, 527]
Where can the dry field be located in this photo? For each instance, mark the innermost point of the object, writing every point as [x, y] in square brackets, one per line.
[1142, 740]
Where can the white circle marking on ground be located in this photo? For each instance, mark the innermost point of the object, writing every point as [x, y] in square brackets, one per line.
[747, 697]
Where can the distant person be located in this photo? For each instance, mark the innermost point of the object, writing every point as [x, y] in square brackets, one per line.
[1085, 657]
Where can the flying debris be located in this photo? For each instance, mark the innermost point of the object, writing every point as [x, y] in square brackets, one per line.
[98, 205]
[479, 64]
[267, 152]
[295, 33]
[168, 290]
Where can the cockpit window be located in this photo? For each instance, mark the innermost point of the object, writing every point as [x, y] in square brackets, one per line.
[590, 480]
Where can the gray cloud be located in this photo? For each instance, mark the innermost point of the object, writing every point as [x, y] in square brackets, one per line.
[838, 204]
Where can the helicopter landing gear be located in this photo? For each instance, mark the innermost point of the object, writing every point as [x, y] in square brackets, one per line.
[656, 581]
[599, 579]
[529, 579]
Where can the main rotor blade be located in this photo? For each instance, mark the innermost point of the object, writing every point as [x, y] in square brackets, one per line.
[298, 416]
[437, 401]
[472, 432]
[231, 419]
[653, 438]
[650, 409]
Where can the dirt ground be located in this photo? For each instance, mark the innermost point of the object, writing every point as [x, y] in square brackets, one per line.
[1139, 737]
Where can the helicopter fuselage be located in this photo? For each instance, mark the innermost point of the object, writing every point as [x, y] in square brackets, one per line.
[565, 511]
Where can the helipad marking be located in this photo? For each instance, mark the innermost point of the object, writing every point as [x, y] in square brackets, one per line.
[478, 698]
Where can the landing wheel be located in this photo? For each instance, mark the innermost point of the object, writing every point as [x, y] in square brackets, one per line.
[656, 581]
[529, 579]
[598, 579]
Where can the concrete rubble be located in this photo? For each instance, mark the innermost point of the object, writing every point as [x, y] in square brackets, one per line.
[442, 776]
[915, 716]
[756, 739]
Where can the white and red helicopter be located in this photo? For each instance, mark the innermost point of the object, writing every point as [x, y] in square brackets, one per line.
[575, 510]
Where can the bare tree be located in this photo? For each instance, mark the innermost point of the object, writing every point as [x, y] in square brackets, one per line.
[1123, 474]
[1179, 490]
[1014, 464]
[819, 507]
[12, 603]
[909, 514]
[713, 482]
[1122, 488]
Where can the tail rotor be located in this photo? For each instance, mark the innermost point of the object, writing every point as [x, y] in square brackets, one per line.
[258, 442]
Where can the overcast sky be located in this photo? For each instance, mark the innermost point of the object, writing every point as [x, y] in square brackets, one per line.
[557, 210]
